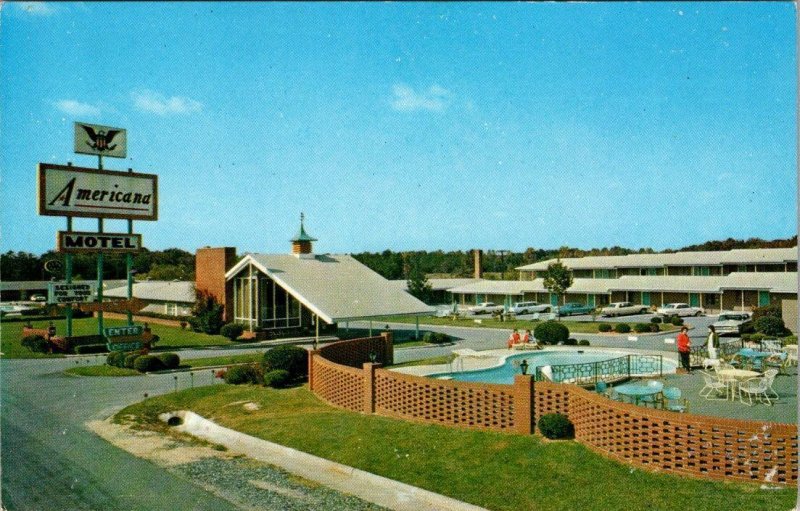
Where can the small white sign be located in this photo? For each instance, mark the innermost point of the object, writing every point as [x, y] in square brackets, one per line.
[75, 292]
[100, 140]
[669, 340]
[633, 338]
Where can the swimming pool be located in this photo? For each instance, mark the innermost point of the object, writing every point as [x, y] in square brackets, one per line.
[589, 362]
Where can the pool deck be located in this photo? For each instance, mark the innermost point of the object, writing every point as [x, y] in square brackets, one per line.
[783, 409]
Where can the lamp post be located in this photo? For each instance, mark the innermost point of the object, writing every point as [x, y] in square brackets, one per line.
[523, 366]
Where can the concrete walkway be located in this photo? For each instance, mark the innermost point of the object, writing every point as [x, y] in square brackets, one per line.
[367, 486]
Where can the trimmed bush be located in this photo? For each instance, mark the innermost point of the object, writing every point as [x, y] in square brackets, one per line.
[571, 342]
[232, 331]
[145, 363]
[642, 327]
[769, 325]
[604, 327]
[551, 332]
[239, 375]
[622, 328]
[436, 338]
[169, 360]
[293, 359]
[757, 337]
[130, 359]
[277, 378]
[772, 310]
[116, 359]
[90, 348]
[676, 320]
[36, 343]
[555, 426]
[583, 342]
[654, 327]
[656, 320]
[791, 339]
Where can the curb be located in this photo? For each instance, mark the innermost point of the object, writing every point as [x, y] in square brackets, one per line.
[365, 485]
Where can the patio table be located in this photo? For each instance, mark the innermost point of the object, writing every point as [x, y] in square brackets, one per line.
[637, 391]
[753, 356]
[731, 377]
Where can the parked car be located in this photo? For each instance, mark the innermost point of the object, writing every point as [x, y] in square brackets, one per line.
[529, 307]
[679, 309]
[568, 309]
[486, 308]
[623, 309]
[731, 322]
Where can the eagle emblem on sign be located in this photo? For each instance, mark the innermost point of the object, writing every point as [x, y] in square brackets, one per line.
[101, 140]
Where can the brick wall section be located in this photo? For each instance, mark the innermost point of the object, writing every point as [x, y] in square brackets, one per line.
[209, 270]
[338, 385]
[355, 352]
[711, 447]
[446, 402]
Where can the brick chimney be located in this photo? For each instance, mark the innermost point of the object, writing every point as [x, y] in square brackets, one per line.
[210, 265]
[477, 262]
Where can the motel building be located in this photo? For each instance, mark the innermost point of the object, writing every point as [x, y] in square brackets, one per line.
[300, 292]
[715, 280]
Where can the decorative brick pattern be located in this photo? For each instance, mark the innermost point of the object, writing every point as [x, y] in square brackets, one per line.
[339, 385]
[472, 405]
[355, 352]
[695, 445]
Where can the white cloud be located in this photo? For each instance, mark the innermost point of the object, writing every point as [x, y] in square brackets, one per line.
[36, 8]
[405, 99]
[153, 102]
[72, 107]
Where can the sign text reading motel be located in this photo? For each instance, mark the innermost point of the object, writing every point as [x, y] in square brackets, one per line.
[97, 242]
[81, 192]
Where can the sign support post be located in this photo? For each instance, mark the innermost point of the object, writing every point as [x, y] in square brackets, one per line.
[68, 270]
[100, 280]
[129, 267]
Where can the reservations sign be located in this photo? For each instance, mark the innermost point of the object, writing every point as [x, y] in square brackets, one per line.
[69, 241]
[74, 292]
[76, 191]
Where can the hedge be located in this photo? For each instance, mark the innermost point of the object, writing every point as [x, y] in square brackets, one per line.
[242, 374]
[169, 360]
[145, 363]
[551, 332]
[769, 325]
[622, 328]
[292, 359]
[604, 327]
[130, 360]
[642, 327]
[36, 343]
[555, 425]
[277, 378]
[435, 338]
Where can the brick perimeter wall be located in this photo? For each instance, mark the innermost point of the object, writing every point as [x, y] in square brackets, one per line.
[658, 440]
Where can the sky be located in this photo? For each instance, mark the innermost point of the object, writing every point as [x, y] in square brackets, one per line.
[412, 126]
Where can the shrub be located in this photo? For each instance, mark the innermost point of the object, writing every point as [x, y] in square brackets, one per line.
[642, 327]
[206, 314]
[748, 328]
[277, 378]
[116, 359]
[145, 363]
[36, 343]
[757, 337]
[232, 331]
[676, 320]
[436, 338]
[769, 325]
[551, 332]
[90, 348]
[293, 359]
[622, 328]
[790, 339]
[654, 327]
[583, 342]
[169, 360]
[772, 310]
[130, 359]
[604, 327]
[656, 320]
[555, 425]
[238, 375]
[571, 342]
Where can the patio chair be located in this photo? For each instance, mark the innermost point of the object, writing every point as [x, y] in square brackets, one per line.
[601, 387]
[770, 375]
[778, 360]
[713, 385]
[674, 400]
[754, 387]
[791, 354]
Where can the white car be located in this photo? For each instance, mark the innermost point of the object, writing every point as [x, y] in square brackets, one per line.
[679, 309]
[486, 308]
[731, 322]
[623, 309]
[529, 307]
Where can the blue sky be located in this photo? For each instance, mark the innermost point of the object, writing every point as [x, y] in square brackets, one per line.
[413, 126]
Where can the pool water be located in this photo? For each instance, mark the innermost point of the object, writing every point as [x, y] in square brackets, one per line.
[505, 373]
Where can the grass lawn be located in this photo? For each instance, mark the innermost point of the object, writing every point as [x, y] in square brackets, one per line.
[171, 337]
[495, 470]
[102, 370]
[195, 363]
[575, 327]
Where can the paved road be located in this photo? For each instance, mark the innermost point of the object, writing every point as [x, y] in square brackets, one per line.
[51, 462]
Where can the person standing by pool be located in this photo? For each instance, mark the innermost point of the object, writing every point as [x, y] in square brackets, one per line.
[712, 342]
[684, 348]
[513, 338]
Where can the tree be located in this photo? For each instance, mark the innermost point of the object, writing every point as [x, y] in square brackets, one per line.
[557, 279]
[206, 313]
[418, 285]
